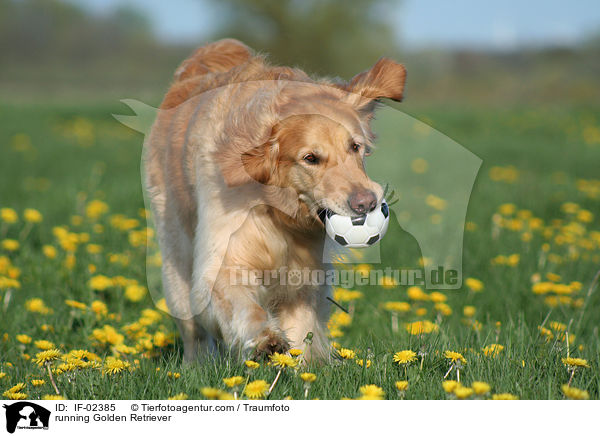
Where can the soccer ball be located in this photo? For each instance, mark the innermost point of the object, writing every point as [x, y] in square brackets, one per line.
[357, 232]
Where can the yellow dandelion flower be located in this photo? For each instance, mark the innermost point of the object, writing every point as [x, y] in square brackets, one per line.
[44, 357]
[504, 396]
[335, 333]
[507, 208]
[480, 388]
[438, 297]
[346, 353]
[513, 259]
[150, 316]
[396, 306]
[99, 308]
[492, 350]
[361, 362]
[443, 309]
[341, 319]
[233, 381]
[37, 305]
[44, 345]
[135, 293]
[125, 349]
[17, 388]
[575, 362]
[32, 216]
[344, 295]
[454, 357]
[53, 397]
[421, 327]
[405, 357]
[93, 248]
[462, 392]
[450, 385]
[308, 377]
[112, 366]
[161, 339]
[107, 335]
[295, 352]
[37, 382]
[373, 392]
[95, 209]
[83, 355]
[256, 389]
[24, 339]
[180, 396]
[49, 251]
[75, 304]
[469, 311]
[417, 294]
[574, 393]
[10, 244]
[402, 385]
[283, 361]
[251, 364]
[15, 395]
[558, 326]
[8, 215]
[474, 285]
[100, 283]
[2, 375]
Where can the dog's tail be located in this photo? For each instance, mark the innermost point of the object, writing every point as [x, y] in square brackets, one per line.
[219, 56]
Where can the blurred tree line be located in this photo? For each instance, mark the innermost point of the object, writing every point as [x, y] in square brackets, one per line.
[328, 37]
[55, 49]
[42, 31]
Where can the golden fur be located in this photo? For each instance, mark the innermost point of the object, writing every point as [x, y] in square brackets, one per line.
[232, 187]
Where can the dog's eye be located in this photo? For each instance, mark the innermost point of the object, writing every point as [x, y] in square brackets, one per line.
[311, 159]
[355, 146]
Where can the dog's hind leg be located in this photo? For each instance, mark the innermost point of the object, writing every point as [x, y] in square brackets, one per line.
[177, 255]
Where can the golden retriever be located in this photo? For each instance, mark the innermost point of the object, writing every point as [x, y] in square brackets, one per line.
[242, 158]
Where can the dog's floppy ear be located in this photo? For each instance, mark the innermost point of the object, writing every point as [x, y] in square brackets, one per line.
[384, 80]
[257, 163]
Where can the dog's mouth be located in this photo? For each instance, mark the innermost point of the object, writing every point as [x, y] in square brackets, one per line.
[324, 213]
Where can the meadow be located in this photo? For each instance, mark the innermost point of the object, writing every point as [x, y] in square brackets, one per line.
[77, 321]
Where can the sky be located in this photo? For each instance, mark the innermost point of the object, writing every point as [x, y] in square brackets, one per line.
[501, 24]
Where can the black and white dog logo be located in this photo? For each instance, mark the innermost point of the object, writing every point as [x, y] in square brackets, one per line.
[26, 415]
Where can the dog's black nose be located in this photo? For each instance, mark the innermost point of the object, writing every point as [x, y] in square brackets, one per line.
[362, 201]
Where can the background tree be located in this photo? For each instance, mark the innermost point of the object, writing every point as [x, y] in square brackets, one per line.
[331, 37]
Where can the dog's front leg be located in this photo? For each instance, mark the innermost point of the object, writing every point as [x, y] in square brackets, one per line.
[243, 323]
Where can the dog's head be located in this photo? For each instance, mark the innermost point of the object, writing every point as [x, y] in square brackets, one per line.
[315, 142]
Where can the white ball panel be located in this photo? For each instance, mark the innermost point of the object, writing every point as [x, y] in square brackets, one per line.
[340, 223]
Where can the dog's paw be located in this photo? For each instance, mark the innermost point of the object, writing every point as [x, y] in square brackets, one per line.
[269, 342]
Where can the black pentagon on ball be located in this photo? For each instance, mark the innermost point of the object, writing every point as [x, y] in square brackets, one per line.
[385, 210]
[373, 239]
[358, 220]
[340, 240]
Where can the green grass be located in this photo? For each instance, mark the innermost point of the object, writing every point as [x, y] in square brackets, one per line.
[80, 153]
